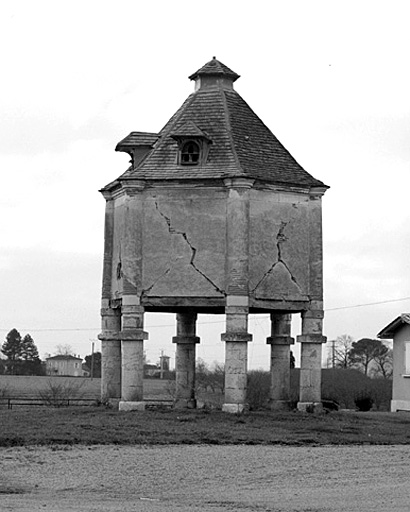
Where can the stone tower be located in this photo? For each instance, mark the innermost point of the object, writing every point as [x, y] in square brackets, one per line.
[213, 216]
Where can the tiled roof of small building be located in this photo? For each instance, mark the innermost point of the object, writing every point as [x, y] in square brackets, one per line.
[137, 139]
[63, 358]
[241, 144]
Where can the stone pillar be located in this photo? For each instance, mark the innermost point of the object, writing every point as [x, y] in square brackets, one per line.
[132, 342]
[312, 319]
[236, 354]
[132, 333]
[237, 300]
[110, 318]
[311, 360]
[280, 341]
[185, 360]
[110, 353]
[236, 336]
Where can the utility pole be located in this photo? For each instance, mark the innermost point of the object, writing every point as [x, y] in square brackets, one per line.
[92, 360]
[161, 365]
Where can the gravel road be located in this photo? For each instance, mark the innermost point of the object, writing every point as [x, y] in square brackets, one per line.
[205, 478]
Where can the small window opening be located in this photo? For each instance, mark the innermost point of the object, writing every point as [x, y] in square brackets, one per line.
[190, 153]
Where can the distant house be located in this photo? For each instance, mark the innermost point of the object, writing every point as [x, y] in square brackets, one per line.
[399, 332]
[64, 365]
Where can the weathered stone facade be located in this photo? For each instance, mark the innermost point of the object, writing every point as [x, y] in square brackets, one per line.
[213, 216]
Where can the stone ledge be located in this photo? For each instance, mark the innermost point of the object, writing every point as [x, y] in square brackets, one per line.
[280, 340]
[310, 406]
[131, 406]
[234, 408]
[186, 339]
[311, 338]
[236, 336]
[133, 335]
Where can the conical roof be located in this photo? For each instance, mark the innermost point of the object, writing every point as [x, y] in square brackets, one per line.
[241, 144]
[215, 68]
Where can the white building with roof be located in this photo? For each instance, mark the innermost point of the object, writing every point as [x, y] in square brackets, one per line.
[399, 331]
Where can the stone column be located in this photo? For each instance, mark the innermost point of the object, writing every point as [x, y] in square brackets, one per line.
[132, 341]
[236, 340]
[132, 333]
[280, 341]
[185, 360]
[311, 360]
[237, 300]
[110, 353]
[110, 318]
[312, 319]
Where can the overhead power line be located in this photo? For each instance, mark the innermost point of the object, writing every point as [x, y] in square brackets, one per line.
[258, 317]
[368, 304]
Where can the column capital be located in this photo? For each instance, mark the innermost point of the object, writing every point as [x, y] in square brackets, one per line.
[109, 336]
[133, 335]
[238, 182]
[311, 338]
[236, 336]
[280, 340]
[186, 339]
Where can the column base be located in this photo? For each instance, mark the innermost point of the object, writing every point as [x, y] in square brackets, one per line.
[131, 406]
[110, 402]
[234, 408]
[310, 406]
[279, 405]
[182, 403]
[400, 405]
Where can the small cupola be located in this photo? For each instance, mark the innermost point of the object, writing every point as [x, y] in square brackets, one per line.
[214, 74]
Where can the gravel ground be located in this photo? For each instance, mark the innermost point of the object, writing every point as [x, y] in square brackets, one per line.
[205, 478]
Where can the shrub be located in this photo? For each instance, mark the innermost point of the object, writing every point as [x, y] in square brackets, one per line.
[257, 394]
[364, 402]
[59, 393]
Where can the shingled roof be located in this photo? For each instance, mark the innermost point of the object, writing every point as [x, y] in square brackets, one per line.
[241, 145]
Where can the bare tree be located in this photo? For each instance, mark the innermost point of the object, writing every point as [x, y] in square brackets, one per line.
[64, 350]
[339, 351]
[384, 363]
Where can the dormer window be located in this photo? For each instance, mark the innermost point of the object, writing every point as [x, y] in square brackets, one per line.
[193, 144]
[190, 153]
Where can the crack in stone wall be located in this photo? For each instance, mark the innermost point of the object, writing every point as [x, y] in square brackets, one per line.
[281, 238]
[193, 250]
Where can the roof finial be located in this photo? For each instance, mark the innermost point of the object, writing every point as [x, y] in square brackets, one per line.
[214, 57]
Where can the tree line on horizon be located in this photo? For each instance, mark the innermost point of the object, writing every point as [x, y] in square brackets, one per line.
[371, 356]
[22, 357]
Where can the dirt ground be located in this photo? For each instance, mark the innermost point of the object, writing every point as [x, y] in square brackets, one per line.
[205, 478]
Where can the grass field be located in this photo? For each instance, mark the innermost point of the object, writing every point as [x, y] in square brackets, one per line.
[97, 425]
[33, 386]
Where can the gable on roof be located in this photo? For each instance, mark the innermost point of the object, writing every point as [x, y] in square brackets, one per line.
[388, 332]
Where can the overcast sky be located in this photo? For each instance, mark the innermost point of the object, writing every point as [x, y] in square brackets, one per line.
[331, 79]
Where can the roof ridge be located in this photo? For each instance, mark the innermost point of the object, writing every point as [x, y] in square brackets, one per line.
[229, 130]
[165, 131]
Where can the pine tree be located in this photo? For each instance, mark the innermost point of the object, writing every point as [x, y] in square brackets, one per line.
[12, 349]
[22, 355]
[29, 350]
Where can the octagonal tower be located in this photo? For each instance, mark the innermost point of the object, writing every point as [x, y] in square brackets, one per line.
[213, 216]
